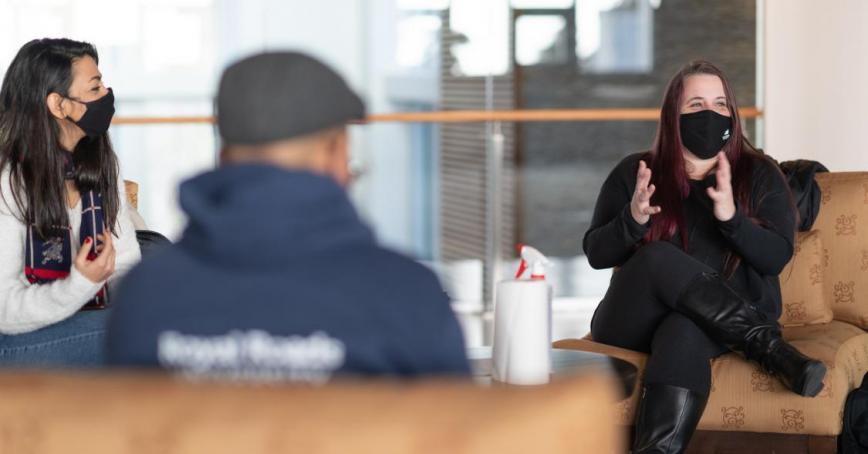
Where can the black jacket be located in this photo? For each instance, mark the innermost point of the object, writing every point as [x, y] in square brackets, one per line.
[276, 277]
[764, 243]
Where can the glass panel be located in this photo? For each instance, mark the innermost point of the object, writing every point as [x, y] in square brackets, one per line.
[480, 42]
[163, 58]
[423, 4]
[541, 40]
[541, 4]
[425, 185]
[159, 158]
[615, 36]
[397, 189]
[563, 167]
[418, 31]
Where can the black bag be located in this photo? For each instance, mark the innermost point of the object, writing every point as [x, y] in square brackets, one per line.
[150, 241]
[806, 192]
[854, 436]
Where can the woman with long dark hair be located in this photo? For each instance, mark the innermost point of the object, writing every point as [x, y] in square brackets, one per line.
[65, 230]
[699, 229]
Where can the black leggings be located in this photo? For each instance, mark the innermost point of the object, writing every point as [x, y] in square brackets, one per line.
[638, 313]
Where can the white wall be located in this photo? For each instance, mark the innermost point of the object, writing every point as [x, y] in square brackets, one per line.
[816, 81]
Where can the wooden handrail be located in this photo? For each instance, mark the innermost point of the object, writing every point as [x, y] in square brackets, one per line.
[466, 116]
[161, 120]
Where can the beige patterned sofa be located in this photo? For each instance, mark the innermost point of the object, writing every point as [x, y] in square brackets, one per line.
[825, 293]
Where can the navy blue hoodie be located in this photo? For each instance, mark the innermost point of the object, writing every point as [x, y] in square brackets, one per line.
[275, 275]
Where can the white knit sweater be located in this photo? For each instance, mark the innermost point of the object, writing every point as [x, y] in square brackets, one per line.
[27, 307]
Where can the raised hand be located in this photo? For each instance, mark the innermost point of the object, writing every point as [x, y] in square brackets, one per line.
[721, 194]
[640, 204]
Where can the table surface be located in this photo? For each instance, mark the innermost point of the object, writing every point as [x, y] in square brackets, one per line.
[564, 362]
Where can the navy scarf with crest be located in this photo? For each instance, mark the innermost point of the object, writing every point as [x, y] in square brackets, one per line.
[49, 259]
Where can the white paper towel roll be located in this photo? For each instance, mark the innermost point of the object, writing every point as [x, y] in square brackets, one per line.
[522, 332]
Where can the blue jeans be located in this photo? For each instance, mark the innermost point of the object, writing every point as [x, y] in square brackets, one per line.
[76, 342]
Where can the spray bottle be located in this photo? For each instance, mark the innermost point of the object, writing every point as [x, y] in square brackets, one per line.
[521, 353]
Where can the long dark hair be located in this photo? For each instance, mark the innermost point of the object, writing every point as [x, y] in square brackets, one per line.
[667, 161]
[30, 138]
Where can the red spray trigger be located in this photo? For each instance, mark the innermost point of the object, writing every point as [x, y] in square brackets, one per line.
[523, 265]
[533, 259]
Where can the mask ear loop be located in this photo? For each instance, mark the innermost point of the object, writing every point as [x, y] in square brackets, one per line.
[67, 117]
[75, 122]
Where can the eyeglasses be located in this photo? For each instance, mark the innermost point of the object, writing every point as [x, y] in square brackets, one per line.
[356, 171]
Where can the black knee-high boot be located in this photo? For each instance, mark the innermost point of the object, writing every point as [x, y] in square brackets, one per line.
[666, 419]
[732, 321]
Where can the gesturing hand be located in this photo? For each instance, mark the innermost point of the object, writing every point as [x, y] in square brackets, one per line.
[721, 195]
[100, 268]
[640, 205]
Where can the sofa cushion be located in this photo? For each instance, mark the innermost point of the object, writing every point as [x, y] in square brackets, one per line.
[843, 225]
[744, 398]
[802, 284]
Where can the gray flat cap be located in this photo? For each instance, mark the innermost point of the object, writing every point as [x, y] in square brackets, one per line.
[281, 95]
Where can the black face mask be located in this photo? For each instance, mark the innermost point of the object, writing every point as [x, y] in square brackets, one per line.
[704, 133]
[96, 120]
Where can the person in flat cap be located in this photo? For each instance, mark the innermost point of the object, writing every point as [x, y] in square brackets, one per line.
[275, 277]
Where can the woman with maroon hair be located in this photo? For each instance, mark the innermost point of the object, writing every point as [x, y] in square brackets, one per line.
[699, 229]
